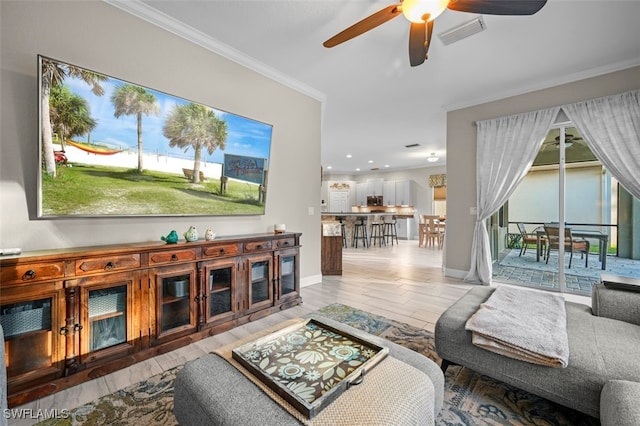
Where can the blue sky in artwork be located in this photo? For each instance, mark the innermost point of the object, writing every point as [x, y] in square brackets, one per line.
[245, 137]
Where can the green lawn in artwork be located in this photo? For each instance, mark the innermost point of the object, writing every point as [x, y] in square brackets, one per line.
[87, 190]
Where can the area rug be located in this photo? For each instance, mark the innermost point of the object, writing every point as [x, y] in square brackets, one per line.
[470, 398]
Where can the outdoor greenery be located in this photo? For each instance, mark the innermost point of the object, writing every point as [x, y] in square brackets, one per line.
[92, 190]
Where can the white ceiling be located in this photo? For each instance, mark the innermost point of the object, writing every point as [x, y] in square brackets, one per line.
[375, 103]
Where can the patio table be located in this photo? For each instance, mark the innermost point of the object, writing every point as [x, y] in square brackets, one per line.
[603, 243]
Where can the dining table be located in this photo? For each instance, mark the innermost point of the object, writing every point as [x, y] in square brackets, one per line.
[603, 242]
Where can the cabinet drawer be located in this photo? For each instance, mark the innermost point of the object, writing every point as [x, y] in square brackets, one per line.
[221, 250]
[31, 272]
[107, 263]
[257, 246]
[171, 256]
[285, 242]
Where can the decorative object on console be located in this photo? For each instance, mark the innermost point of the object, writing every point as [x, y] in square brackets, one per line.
[172, 238]
[209, 235]
[191, 234]
[280, 228]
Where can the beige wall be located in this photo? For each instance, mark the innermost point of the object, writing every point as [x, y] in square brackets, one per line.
[461, 150]
[97, 36]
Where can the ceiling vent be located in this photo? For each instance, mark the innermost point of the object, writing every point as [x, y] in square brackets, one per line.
[413, 145]
[462, 31]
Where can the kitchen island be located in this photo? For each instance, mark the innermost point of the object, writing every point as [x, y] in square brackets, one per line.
[405, 220]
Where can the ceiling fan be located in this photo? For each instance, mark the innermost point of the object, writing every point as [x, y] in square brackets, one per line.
[421, 13]
[569, 140]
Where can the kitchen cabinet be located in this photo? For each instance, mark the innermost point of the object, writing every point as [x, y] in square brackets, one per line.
[405, 192]
[362, 190]
[389, 193]
[375, 186]
[73, 315]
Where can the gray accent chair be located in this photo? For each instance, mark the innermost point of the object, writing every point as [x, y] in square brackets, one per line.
[603, 375]
[210, 391]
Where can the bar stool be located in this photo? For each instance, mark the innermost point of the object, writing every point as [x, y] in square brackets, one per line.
[343, 230]
[377, 231]
[360, 232]
[390, 230]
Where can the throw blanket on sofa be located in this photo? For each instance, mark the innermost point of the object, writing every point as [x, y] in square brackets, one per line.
[522, 324]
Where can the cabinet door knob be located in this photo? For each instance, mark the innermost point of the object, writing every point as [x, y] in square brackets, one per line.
[29, 275]
[174, 257]
[259, 247]
[109, 266]
[77, 327]
[64, 331]
[221, 251]
[286, 243]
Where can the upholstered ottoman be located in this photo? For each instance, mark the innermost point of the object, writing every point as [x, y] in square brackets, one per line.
[210, 390]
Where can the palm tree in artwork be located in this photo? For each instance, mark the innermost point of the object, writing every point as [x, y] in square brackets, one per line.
[70, 114]
[195, 126]
[53, 74]
[129, 99]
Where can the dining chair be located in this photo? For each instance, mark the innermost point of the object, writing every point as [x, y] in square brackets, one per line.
[529, 238]
[571, 244]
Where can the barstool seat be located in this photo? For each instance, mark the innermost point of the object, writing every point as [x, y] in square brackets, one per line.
[390, 230]
[360, 232]
[377, 231]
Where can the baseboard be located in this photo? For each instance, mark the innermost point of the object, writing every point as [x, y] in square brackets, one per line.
[313, 279]
[455, 273]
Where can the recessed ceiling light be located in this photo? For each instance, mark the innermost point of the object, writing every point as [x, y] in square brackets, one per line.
[349, 155]
[329, 167]
[386, 165]
[370, 161]
[358, 169]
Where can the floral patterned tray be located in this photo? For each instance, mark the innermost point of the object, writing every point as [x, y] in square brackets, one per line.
[309, 364]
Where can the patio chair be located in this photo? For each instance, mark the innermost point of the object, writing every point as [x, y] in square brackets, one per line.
[531, 238]
[571, 244]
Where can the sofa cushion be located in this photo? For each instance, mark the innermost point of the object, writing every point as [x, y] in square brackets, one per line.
[599, 349]
[619, 403]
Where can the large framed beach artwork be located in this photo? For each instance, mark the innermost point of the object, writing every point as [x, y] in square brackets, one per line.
[111, 148]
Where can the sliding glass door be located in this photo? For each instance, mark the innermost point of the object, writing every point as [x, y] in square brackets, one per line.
[565, 204]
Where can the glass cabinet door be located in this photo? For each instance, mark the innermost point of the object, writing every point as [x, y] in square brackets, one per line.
[34, 346]
[287, 274]
[107, 317]
[221, 287]
[260, 282]
[27, 332]
[175, 300]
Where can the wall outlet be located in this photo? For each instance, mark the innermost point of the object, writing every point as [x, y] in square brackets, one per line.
[473, 211]
[311, 211]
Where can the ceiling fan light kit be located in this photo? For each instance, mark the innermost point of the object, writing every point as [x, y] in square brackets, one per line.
[421, 14]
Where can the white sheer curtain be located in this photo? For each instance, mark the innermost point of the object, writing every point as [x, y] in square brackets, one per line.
[506, 148]
[611, 127]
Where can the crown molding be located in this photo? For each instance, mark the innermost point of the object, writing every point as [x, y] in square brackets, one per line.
[565, 79]
[167, 23]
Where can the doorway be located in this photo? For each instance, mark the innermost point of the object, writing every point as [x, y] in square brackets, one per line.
[568, 190]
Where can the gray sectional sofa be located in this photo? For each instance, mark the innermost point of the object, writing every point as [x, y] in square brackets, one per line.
[603, 375]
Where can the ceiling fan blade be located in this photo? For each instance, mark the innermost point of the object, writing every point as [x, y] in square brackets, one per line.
[419, 41]
[497, 7]
[368, 23]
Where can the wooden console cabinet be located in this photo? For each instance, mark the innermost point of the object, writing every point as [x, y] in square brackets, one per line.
[73, 315]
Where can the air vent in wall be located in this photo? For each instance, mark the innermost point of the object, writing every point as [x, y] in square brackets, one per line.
[413, 145]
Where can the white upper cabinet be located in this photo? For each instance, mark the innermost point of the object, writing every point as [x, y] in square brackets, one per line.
[405, 192]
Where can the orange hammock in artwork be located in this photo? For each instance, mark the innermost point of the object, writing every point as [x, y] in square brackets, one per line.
[94, 149]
